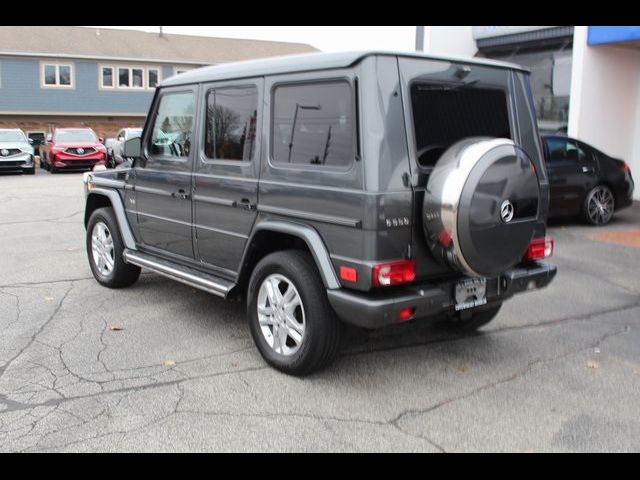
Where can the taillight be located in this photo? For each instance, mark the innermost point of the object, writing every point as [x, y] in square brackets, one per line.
[540, 248]
[393, 273]
[625, 167]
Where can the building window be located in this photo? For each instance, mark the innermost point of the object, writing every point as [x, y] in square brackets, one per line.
[107, 77]
[123, 78]
[57, 75]
[231, 123]
[313, 125]
[136, 77]
[153, 76]
[128, 77]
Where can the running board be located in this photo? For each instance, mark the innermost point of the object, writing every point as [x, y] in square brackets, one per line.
[190, 276]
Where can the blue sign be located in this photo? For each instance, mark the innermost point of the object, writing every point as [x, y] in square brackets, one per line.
[601, 35]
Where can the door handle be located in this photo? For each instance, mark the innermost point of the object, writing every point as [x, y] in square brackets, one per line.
[181, 194]
[245, 204]
[586, 169]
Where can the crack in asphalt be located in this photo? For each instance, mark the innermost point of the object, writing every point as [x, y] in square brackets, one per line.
[18, 309]
[4, 367]
[43, 220]
[510, 378]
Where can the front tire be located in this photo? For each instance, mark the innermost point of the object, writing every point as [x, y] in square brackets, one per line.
[290, 318]
[599, 205]
[104, 249]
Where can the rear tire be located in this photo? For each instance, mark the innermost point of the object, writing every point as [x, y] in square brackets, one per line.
[457, 323]
[599, 205]
[312, 332]
[104, 250]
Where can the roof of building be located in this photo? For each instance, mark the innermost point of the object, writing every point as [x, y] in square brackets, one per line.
[309, 62]
[132, 45]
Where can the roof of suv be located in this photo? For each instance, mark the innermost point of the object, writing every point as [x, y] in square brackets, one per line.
[308, 62]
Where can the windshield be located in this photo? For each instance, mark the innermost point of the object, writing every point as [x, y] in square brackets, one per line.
[75, 136]
[12, 136]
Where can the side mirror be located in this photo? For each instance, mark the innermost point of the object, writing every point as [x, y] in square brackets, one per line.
[132, 148]
[30, 140]
[49, 137]
[101, 140]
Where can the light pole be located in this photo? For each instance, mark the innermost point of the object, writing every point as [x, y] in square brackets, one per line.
[295, 119]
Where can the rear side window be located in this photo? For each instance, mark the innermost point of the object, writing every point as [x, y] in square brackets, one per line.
[313, 124]
[444, 114]
[231, 123]
[173, 126]
[563, 150]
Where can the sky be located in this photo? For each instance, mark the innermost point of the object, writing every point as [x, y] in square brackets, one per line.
[327, 39]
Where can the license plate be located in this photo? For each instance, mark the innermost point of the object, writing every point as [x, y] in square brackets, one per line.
[471, 293]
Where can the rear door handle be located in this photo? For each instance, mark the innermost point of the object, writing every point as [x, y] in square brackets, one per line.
[245, 204]
[586, 169]
[181, 194]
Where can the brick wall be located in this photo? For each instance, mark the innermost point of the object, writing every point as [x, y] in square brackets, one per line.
[104, 127]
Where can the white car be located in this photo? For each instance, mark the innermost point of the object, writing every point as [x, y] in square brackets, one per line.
[118, 146]
[16, 152]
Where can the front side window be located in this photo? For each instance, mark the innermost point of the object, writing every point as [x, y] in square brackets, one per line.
[313, 124]
[231, 123]
[57, 75]
[173, 125]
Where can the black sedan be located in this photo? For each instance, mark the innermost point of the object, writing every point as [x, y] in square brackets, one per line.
[584, 181]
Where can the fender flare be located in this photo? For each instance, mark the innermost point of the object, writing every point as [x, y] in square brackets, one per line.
[121, 216]
[313, 240]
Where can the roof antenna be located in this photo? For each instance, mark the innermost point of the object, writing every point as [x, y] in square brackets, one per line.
[160, 31]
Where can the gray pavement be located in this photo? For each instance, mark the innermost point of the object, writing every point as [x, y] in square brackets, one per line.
[163, 367]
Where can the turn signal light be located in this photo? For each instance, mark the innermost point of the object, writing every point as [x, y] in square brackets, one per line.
[393, 273]
[625, 167]
[540, 248]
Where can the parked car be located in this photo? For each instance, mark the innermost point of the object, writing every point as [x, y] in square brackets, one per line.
[108, 144]
[585, 181]
[123, 135]
[72, 149]
[16, 152]
[301, 190]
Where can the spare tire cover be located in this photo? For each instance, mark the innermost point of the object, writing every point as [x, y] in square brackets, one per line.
[481, 206]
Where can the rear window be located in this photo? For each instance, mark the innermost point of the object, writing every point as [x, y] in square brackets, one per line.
[444, 114]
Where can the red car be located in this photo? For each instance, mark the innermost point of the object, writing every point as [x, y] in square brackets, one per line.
[72, 149]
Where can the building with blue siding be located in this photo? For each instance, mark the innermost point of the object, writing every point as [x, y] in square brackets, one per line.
[102, 78]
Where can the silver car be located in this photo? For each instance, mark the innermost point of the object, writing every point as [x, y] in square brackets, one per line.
[16, 152]
[118, 146]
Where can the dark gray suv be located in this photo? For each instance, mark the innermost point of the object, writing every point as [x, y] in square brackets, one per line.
[368, 188]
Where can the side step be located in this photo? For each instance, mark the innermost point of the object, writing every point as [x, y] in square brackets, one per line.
[194, 278]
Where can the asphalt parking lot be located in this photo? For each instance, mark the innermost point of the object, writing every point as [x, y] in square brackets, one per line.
[163, 367]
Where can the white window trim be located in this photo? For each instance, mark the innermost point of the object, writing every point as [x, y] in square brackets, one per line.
[182, 69]
[116, 77]
[72, 75]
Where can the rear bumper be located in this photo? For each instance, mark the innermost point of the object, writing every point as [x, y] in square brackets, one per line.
[625, 197]
[374, 310]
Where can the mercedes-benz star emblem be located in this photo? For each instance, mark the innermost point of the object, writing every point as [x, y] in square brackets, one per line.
[506, 211]
[4, 152]
[80, 151]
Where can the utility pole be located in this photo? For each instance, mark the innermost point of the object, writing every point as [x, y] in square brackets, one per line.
[160, 31]
[419, 39]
